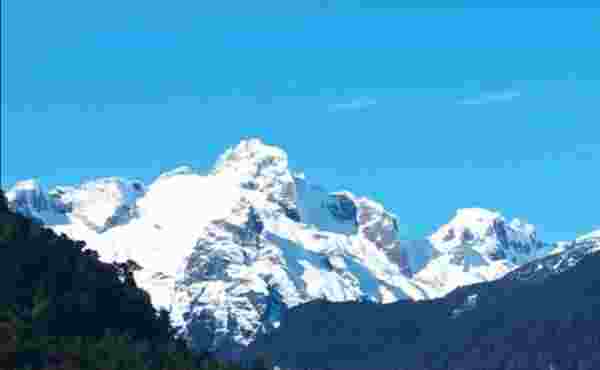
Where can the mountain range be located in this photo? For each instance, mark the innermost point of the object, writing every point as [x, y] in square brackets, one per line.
[233, 251]
[542, 315]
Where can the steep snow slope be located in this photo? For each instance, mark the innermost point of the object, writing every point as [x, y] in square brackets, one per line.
[229, 251]
[224, 278]
[478, 245]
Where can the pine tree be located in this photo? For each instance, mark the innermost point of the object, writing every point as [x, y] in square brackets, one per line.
[3, 201]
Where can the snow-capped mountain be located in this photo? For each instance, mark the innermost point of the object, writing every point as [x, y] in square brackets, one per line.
[560, 259]
[99, 204]
[230, 250]
[478, 245]
[29, 198]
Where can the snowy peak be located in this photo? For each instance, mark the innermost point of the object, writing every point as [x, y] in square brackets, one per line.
[256, 166]
[27, 192]
[468, 224]
[376, 224]
[252, 158]
[32, 185]
[473, 225]
[29, 198]
[102, 203]
[99, 204]
[478, 245]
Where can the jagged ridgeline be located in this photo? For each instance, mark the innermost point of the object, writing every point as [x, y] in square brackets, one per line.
[228, 252]
[61, 306]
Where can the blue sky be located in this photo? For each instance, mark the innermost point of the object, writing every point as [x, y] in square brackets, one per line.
[425, 110]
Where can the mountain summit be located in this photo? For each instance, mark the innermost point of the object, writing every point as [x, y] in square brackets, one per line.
[230, 251]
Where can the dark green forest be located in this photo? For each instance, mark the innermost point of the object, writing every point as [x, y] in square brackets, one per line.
[62, 308]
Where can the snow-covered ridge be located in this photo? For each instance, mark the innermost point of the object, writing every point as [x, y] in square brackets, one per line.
[230, 250]
[592, 235]
[476, 224]
[30, 199]
[559, 260]
[99, 204]
[478, 245]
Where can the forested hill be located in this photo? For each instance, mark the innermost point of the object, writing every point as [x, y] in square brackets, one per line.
[543, 316]
[61, 307]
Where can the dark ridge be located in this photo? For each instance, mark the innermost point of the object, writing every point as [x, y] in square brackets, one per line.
[544, 321]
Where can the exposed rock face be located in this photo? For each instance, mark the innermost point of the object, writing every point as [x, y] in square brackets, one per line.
[342, 207]
[478, 245]
[375, 224]
[231, 251]
[104, 203]
[30, 199]
[259, 167]
[561, 259]
[99, 204]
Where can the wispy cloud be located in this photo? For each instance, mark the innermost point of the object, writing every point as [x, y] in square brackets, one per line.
[491, 97]
[355, 104]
